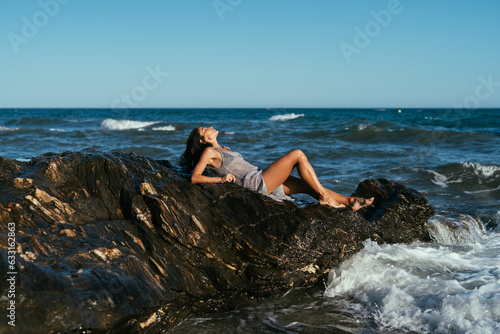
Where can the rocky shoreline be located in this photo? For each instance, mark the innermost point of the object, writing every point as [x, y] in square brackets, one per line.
[115, 242]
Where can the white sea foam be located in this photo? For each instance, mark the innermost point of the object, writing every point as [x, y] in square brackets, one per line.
[118, 124]
[497, 220]
[426, 288]
[482, 191]
[483, 170]
[363, 126]
[164, 128]
[442, 180]
[285, 117]
[454, 230]
[372, 127]
[3, 128]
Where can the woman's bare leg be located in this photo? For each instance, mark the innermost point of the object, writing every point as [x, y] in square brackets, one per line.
[278, 173]
[295, 185]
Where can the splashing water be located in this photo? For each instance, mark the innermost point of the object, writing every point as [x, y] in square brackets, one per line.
[451, 286]
[451, 231]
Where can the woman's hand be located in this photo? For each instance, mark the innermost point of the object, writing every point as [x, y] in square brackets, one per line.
[228, 178]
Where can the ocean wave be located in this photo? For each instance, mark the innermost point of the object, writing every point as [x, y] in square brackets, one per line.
[455, 230]
[74, 120]
[442, 180]
[380, 131]
[164, 128]
[3, 128]
[475, 177]
[424, 138]
[380, 126]
[363, 126]
[422, 289]
[285, 117]
[484, 191]
[486, 171]
[116, 124]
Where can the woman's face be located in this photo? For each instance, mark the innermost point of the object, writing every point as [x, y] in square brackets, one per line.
[208, 134]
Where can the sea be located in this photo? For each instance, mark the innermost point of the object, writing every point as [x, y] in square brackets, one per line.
[452, 156]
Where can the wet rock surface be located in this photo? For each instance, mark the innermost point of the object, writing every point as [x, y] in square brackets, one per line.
[114, 242]
[396, 211]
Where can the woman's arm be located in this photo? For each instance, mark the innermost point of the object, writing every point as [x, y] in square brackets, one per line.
[197, 175]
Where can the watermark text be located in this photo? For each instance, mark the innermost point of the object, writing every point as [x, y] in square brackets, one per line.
[139, 93]
[31, 27]
[373, 28]
[223, 6]
[11, 274]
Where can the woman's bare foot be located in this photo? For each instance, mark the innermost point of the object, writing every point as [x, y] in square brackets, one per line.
[331, 202]
[358, 203]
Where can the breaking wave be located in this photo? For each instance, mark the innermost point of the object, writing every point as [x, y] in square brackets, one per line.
[473, 176]
[448, 287]
[114, 124]
[164, 128]
[285, 117]
[3, 128]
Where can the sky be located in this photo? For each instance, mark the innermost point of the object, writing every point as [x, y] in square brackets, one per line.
[250, 54]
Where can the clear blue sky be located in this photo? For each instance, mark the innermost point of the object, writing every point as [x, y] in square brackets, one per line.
[249, 53]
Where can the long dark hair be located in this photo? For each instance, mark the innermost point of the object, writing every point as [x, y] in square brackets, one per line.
[194, 149]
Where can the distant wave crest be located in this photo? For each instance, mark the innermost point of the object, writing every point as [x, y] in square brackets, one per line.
[115, 124]
[3, 128]
[164, 128]
[286, 117]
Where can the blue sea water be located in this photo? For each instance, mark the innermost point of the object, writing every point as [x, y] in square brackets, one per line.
[450, 285]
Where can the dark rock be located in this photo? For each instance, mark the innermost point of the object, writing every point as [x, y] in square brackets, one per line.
[121, 243]
[396, 211]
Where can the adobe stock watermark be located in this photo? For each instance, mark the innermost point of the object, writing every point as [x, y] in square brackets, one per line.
[31, 27]
[483, 91]
[151, 81]
[11, 274]
[459, 112]
[364, 36]
[223, 6]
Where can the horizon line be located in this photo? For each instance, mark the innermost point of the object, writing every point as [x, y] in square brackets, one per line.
[251, 108]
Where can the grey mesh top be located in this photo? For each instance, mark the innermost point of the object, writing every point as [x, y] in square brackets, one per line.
[246, 174]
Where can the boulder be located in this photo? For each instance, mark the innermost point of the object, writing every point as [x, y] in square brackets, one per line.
[115, 242]
[396, 212]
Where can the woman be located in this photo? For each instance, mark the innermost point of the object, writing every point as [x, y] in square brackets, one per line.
[202, 150]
